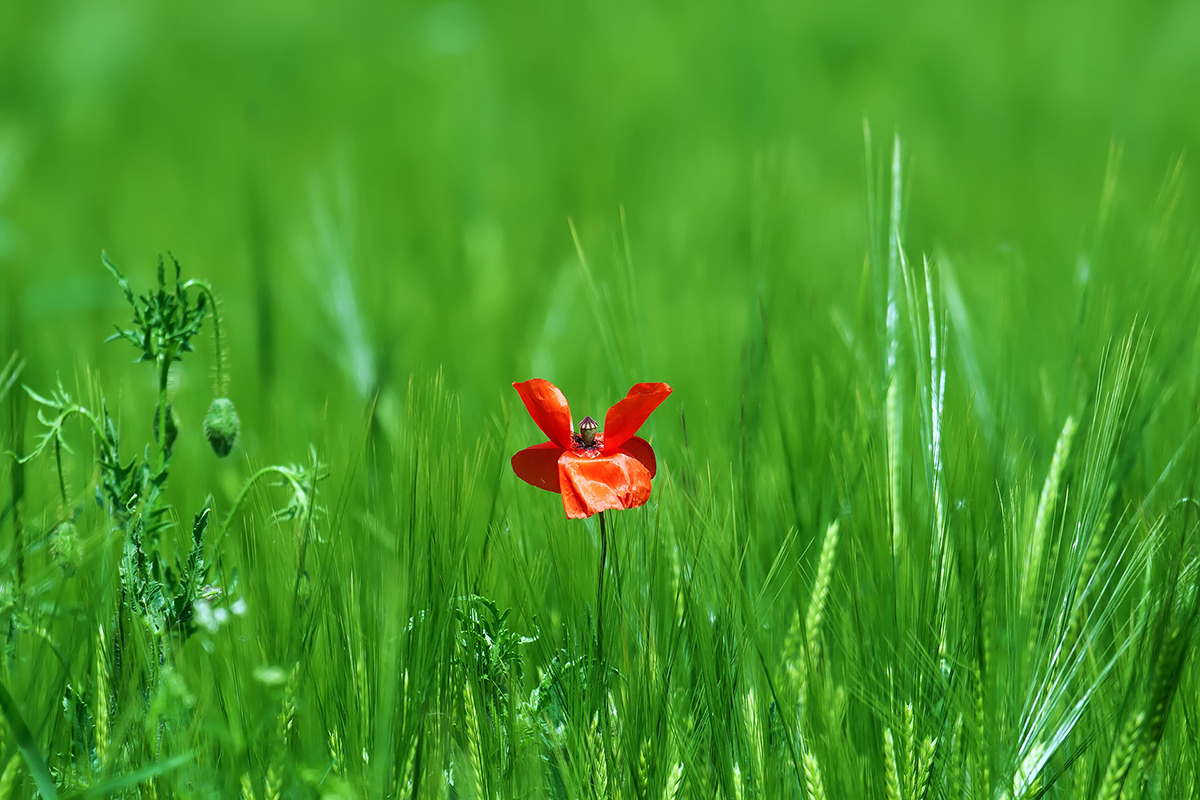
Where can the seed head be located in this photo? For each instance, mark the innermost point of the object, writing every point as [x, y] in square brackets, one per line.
[65, 548]
[221, 426]
[587, 431]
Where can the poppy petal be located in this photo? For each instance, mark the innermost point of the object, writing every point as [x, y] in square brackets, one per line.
[593, 484]
[640, 449]
[538, 465]
[549, 409]
[626, 416]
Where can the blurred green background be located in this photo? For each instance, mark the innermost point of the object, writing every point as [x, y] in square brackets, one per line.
[377, 190]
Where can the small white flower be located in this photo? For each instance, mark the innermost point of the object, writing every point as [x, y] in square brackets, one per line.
[205, 617]
[270, 675]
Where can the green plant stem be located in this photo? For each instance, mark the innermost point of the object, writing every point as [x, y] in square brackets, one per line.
[164, 373]
[83, 412]
[62, 482]
[65, 414]
[600, 602]
[221, 389]
[601, 667]
[241, 498]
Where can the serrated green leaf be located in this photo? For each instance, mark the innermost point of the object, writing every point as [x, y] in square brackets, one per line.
[38, 398]
[121, 281]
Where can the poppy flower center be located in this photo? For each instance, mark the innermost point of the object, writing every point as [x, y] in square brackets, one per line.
[588, 428]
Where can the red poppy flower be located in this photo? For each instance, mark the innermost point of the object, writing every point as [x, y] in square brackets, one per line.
[593, 471]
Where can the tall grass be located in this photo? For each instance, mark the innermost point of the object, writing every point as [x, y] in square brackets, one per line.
[911, 571]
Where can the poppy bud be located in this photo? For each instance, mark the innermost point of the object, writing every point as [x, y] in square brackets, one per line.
[65, 548]
[587, 431]
[221, 426]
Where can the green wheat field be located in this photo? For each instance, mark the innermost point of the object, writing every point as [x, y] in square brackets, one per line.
[924, 278]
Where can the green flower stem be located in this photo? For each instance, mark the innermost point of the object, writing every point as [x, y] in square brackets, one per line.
[600, 604]
[89, 416]
[601, 668]
[221, 389]
[241, 498]
[164, 372]
[62, 482]
[65, 413]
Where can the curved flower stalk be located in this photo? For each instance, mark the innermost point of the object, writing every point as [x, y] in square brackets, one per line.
[593, 470]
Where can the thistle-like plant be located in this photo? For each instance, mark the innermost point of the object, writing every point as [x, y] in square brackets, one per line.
[165, 324]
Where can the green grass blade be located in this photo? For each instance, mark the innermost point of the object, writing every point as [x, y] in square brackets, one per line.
[114, 785]
[27, 746]
[9, 374]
